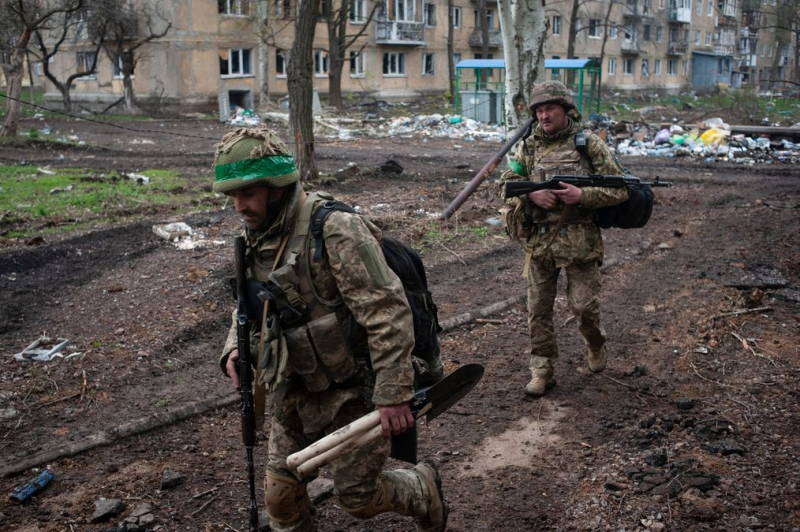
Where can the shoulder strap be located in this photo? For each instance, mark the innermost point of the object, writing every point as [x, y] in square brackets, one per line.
[582, 147]
[318, 221]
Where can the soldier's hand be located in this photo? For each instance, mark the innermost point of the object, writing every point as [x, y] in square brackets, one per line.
[570, 195]
[395, 419]
[545, 199]
[230, 367]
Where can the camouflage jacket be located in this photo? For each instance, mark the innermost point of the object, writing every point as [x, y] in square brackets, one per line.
[541, 157]
[361, 289]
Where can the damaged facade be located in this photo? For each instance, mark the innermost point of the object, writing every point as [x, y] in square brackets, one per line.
[213, 57]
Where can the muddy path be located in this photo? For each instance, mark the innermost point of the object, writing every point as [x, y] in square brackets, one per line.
[692, 426]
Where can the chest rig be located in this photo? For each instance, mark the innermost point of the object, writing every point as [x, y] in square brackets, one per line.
[307, 332]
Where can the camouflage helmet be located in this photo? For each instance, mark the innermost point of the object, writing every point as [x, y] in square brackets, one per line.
[252, 156]
[551, 92]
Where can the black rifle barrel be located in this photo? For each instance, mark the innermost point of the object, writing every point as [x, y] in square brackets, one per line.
[520, 188]
[245, 370]
[484, 172]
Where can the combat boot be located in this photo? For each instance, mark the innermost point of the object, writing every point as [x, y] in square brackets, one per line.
[436, 520]
[597, 361]
[539, 385]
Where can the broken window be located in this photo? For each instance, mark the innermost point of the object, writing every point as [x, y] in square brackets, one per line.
[233, 7]
[672, 67]
[357, 69]
[595, 28]
[394, 64]
[657, 67]
[85, 63]
[612, 66]
[628, 67]
[116, 62]
[358, 11]
[321, 63]
[282, 8]
[280, 63]
[645, 68]
[236, 62]
[427, 64]
[430, 15]
[456, 17]
[646, 32]
[556, 25]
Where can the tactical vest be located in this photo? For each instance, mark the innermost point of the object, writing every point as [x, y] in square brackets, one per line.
[324, 340]
[560, 157]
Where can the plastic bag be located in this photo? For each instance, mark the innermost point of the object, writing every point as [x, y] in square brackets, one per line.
[713, 136]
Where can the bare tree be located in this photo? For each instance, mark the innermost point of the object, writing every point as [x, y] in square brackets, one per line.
[125, 39]
[523, 27]
[19, 20]
[272, 17]
[301, 89]
[77, 25]
[339, 41]
[451, 65]
[783, 18]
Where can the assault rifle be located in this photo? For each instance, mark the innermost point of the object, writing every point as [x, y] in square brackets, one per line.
[632, 213]
[244, 368]
[520, 188]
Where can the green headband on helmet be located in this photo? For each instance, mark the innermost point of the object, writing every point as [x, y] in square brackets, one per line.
[273, 171]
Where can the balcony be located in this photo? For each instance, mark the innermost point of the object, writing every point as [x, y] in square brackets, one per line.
[680, 15]
[400, 33]
[677, 48]
[748, 32]
[724, 49]
[630, 47]
[495, 38]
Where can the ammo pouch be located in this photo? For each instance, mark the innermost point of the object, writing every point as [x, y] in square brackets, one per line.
[320, 355]
[517, 221]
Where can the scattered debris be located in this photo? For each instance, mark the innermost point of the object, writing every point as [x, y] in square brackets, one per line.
[139, 178]
[30, 488]
[105, 509]
[391, 167]
[244, 117]
[42, 350]
[170, 479]
[173, 231]
[140, 519]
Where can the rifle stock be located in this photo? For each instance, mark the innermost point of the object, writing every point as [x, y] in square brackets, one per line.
[245, 370]
[521, 188]
[484, 172]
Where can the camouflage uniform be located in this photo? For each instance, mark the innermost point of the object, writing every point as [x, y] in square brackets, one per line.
[578, 246]
[354, 314]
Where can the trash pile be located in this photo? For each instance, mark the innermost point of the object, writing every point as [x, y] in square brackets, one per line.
[710, 141]
[446, 126]
[244, 117]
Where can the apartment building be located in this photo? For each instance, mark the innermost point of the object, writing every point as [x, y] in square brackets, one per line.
[213, 57]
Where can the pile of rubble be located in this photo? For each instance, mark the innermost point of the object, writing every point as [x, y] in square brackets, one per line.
[711, 140]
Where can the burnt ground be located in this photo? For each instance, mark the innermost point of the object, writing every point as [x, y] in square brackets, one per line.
[692, 426]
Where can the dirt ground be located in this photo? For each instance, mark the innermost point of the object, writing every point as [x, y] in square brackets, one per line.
[693, 426]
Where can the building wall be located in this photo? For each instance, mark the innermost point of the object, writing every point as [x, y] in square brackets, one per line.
[182, 70]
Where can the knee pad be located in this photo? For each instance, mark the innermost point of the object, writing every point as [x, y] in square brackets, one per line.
[381, 502]
[284, 497]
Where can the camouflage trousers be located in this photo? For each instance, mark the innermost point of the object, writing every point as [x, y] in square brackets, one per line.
[583, 298]
[357, 476]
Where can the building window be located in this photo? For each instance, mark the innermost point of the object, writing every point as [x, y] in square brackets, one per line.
[117, 65]
[645, 68]
[283, 8]
[672, 67]
[430, 15]
[661, 4]
[358, 11]
[628, 67]
[236, 63]
[405, 10]
[85, 62]
[646, 33]
[710, 8]
[556, 25]
[233, 7]
[394, 64]
[556, 71]
[698, 7]
[428, 64]
[489, 19]
[612, 32]
[321, 63]
[357, 65]
[456, 59]
[612, 66]
[708, 38]
[657, 67]
[595, 28]
[659, 33]
[280, 63]
[685, 67]
[488, 71]
[456, 17]
[697, 37]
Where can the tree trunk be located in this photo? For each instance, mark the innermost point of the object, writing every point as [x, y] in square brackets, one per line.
[522, 23]
[571, 34]
[13, 71]
[128, 65]
[301, 87]
[335, 56]
[451, 66]
[263, 55]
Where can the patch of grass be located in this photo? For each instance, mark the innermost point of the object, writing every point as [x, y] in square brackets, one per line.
[67, 199]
